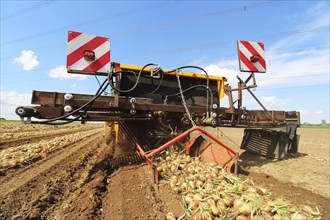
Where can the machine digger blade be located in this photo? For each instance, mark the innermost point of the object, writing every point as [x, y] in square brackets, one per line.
[211, 152]
[273, 143]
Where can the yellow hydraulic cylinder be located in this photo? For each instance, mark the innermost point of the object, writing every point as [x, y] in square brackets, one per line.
[116, 129]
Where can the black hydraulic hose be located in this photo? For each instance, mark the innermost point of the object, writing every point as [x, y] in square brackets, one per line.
[160, 83]
[193, 87]
[207, 83]
[87, 105]
[136, 83]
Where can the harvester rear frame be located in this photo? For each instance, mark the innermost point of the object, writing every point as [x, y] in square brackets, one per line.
[159, 118]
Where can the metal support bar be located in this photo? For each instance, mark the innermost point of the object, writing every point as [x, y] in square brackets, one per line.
[252, 94]
[154, 173]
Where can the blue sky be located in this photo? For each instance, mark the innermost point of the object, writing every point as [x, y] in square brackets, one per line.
[172, 34]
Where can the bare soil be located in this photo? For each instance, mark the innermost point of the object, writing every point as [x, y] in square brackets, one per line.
[80, 181]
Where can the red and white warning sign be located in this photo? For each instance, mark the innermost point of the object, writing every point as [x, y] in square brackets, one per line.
[87, 53]
[251, 56]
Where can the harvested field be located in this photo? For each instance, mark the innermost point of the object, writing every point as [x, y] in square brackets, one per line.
[65, 172]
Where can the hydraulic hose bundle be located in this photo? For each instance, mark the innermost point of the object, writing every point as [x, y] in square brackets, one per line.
[109, 81]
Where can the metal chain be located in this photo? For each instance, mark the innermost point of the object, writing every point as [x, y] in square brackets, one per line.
[183, 100]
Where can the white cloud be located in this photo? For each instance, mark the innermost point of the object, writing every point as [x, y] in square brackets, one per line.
[270, 102]
[223, 70]
[60, 72]
[268, 99]
[304, 111]
[312, 116]
[27, 59]
[273, 100]
[319, 112]
[308, 70]
[10, 100]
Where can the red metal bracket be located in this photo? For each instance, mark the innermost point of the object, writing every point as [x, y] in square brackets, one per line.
[230, 157]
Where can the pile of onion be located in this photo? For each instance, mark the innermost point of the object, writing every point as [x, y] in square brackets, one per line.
[209, 192]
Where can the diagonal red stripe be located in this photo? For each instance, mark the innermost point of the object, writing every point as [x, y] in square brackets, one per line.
[254, 51]
[99, 63]
[78, 54]
[247, 62]
[72, 35]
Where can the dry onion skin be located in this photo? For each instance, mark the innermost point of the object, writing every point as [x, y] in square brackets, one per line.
[209, 192]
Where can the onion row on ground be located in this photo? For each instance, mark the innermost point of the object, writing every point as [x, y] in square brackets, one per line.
[29, 153]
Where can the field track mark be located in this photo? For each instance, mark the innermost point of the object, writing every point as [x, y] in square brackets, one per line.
[23, 178]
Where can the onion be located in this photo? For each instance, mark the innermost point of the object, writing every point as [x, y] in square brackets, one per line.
[220, 188]
[242, 217]
[197, 197]
[208, 186]
[208, 176]
[202, 178]
[214, 195]
[214, 210]
[182, 166]
[202, 194]
[241, 187]
[173, 168]
[174, 179]
[224, 194]
[177, 189]
[199, 183]
[172, 185]
[193, 205]
[229, 201]
[265, 208]
[252, 189]
[190, 170]
[262, 191]
[188, 199]
[206, 215]
[278, 217]
[212, 164]
[214, 175]
[211, 202]
[221, 176]
[298, 216]
[204, 205]
[184, 186]
[221, 205]
[196, 216]
[238, 203]
[191, 184]
[170, 216]
[245, 209]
